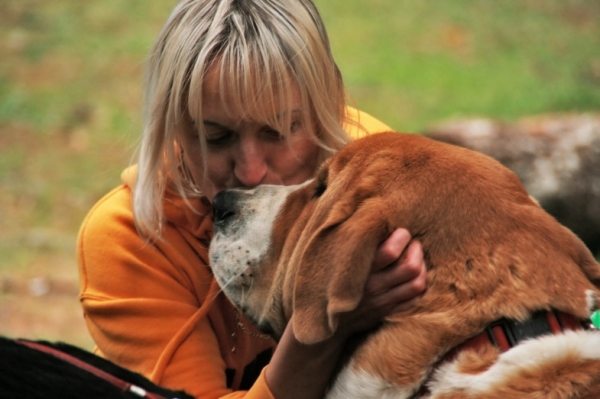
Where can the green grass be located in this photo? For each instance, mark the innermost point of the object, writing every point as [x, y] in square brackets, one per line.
[70, 89]
[70, 101]
[411, 63]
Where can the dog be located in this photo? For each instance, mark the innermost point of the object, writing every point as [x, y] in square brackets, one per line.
[40, 369]
[502, 273]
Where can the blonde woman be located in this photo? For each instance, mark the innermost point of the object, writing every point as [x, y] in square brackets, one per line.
[238, 93]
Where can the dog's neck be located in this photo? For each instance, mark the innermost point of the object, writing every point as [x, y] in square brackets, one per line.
[507, 333]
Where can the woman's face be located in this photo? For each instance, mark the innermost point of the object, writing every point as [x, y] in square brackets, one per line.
[246, 153]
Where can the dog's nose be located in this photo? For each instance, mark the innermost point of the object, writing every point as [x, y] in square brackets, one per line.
[224, 205]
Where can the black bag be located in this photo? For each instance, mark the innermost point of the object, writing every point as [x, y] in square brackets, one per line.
[38, 369]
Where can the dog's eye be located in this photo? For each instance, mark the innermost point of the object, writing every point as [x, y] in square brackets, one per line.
[321, 179]
[320, 189]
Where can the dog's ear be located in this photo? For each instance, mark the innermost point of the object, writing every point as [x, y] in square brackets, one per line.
[335, 265]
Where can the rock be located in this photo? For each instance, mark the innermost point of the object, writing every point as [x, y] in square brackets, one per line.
[557, 157]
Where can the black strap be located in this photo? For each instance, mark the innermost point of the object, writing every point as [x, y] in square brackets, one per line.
[124, 386]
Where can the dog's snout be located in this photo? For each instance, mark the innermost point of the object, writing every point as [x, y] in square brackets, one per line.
[224, 205]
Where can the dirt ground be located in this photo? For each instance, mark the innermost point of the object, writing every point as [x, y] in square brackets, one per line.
[39, 304]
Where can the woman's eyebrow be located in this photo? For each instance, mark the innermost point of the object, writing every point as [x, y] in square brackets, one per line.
[207, 122]
[294, 113]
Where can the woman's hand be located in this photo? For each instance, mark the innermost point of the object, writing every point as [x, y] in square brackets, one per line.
[396, 282]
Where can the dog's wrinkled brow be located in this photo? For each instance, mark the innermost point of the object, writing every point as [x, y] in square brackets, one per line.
[323, 173]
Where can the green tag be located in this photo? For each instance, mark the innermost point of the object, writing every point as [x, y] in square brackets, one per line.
[595, 318]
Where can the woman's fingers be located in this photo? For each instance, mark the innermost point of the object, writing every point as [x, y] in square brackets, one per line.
[398, 261]
[391, 249]
[397, 286]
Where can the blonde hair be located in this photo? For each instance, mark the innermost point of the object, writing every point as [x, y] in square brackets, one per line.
[264, 49]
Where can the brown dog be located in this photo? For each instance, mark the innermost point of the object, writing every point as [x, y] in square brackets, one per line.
[498, 266]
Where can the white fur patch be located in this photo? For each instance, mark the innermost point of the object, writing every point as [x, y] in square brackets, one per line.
[236, 251]
[529, 354]
[359, 384]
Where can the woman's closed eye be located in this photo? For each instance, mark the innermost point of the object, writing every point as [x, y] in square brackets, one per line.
[271, 134]
[275, 135]
[220, 138]
[224, 138]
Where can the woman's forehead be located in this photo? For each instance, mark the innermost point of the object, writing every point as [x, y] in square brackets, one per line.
[248, 97]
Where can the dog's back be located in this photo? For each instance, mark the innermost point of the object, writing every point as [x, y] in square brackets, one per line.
[491, 251]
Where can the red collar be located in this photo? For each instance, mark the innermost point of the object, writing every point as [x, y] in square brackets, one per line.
[507, 333]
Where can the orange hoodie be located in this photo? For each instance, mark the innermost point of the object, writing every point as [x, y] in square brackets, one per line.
[156, 309]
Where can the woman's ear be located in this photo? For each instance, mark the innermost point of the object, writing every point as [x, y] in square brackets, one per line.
[334, 267]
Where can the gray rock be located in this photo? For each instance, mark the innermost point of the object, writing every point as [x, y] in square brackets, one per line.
[557, 157]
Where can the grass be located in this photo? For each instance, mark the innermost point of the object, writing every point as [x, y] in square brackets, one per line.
[70, 88]
[411, 63]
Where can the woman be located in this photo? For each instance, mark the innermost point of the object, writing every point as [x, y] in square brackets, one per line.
[238, 93]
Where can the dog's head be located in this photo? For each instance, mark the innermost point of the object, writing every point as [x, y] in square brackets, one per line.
[306, 250]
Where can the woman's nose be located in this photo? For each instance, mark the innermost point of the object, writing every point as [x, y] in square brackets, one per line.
[251, 165]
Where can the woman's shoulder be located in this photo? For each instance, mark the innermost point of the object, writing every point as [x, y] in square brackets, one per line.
[114, 208]
[108, 236]
[111, 211]
[361, 123]
[114, 211]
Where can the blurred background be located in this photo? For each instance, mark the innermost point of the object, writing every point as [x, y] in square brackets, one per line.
[70, 90]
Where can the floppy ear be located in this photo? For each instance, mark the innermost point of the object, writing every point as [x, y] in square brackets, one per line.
[334, 267]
